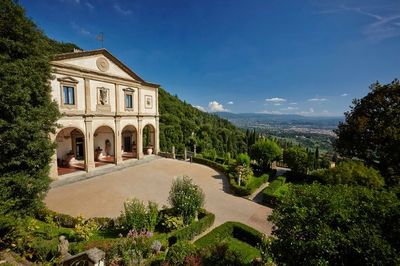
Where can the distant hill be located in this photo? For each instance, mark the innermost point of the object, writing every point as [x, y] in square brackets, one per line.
[250, 120]
[182, 125]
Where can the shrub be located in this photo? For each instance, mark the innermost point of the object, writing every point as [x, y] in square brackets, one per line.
[221, 254]
[350, 173]
[85, 228]
[243, 159]
[216, 166]
[171, 222]
[275, 191]
[194, 229]
[336, 225]
[186, 198]
[131, 250]
[177, 253]
[250, 186]
[137, 216]
[210, 154]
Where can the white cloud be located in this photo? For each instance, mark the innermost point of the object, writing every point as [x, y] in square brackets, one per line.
[230, 102]
[121, 10]
[309, 112]
[316, 99]
[215, 106]
[382, 27]
[344, 94]
[289, 108]
[89, 5]
[80, 29]
[201, 108]
[277, 104]
[275, 100]
[293, 103]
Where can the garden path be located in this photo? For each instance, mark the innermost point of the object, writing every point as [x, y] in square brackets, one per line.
[104, 195]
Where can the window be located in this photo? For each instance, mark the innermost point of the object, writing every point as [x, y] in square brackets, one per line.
[69, 95]
[128, 96]
[128, 101]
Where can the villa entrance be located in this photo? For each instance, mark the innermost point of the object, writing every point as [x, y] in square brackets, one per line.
[104, 146]
[129, 142]
[70, 151]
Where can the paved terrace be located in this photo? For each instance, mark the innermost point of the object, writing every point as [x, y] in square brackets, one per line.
[104, 195]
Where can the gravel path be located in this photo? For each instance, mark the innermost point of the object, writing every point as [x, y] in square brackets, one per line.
[104, 195]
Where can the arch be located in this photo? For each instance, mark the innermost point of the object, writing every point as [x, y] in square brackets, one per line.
[104, 145]
[70, 151]
[148, 138]
[129, 140]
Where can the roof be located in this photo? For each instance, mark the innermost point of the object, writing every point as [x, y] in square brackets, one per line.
[108, 55]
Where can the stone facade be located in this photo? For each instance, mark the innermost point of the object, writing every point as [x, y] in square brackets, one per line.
[109, 113]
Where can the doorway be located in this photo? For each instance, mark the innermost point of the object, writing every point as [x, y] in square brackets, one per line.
[127, 144]
[80, 150]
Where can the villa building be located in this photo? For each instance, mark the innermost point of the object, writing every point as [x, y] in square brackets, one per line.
[109, 114]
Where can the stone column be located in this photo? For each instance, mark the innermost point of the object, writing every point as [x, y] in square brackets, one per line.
[53, 164]
[117, 141]
[89, 145]
[88, 107]
[173, 152]
[157, 137]
[117, 102]
[139, 144]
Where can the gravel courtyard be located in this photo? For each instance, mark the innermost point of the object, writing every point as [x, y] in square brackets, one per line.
[104, 195]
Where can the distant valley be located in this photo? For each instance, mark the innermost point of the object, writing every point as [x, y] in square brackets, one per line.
[308, 131]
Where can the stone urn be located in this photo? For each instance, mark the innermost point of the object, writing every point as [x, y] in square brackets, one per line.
[149, 150]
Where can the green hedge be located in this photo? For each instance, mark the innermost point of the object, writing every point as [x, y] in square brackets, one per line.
[206, 219]
[220, 167]
[68, 221]
[236, 230]
[275, 191]
[252, 184]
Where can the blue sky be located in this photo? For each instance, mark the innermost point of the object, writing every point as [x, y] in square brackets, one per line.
[304, 57]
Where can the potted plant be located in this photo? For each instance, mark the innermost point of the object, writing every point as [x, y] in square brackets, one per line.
[97, 153]
[149, 150]
[68, 158]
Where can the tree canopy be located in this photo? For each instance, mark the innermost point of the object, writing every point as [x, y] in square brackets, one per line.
[182, 125]
[265, 151]
[336, 225]
[27, 114]
[297, 159]
[371, 131]
[351, 173]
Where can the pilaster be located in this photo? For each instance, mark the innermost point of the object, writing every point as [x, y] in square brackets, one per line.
[157, 136]
[117, 138]
[117, 100]
[89, 145]
[140, 139]
[87, 96]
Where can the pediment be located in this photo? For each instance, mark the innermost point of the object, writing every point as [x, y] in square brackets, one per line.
[98, 61]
